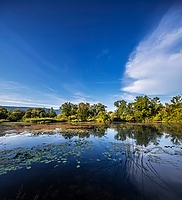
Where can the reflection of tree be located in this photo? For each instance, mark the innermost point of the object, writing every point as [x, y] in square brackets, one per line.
[126, 163]
[174, 131]
[99, 131]
[146, 134]
[142, 134]
[68, 135]
[80, 134]
[122, 133]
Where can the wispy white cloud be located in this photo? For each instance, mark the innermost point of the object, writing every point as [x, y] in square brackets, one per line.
[102, 53]
[21, 51]
[105, 82]
[155, 66]
[11, 85]
[15, 94]
[124, 96]
[81, 97]
[49, 88]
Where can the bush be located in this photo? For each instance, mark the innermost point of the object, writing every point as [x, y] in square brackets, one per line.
[40, 120]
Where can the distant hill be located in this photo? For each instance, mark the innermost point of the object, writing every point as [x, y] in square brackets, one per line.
[25, 108]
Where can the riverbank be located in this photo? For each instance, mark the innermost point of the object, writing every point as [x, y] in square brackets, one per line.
[18, 127]
[68, 127]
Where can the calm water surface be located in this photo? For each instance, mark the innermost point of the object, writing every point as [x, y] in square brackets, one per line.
[120, 162]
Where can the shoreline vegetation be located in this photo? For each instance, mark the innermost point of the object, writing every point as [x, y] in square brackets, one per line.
[142, 110]
[86, 129]
[66, 127]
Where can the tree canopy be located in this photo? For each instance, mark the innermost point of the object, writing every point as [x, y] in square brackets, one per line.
[142, 109]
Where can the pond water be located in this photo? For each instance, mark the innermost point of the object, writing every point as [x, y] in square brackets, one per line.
[120, 162]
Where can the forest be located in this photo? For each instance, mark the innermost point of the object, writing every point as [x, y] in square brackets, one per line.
[142, 109]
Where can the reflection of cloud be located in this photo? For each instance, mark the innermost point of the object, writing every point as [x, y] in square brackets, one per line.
[155, 67]
[103, 52]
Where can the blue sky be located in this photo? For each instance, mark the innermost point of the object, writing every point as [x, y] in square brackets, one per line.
[91, 51]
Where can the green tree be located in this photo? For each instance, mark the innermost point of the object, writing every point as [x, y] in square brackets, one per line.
[111, 115]
[96, 108]
[176, 109]
[176, 101]
[172, 111]
[102, 116]
[83, 111]
[51, 112]
[156, 108]
[38, 112]
[142, 109]
[121, 111]
[156, 105]
[28, 113]
[68, 109]
[15, 115]
[130, 112]
[3, 113]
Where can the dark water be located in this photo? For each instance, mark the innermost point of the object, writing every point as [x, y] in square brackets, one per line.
[120, 162]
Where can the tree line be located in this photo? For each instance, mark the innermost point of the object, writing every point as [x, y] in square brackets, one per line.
[145, 109]
[142, 109]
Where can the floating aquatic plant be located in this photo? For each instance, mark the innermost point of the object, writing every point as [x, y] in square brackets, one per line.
[18, 158]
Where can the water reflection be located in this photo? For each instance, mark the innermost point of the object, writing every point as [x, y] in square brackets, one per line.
[124, 161]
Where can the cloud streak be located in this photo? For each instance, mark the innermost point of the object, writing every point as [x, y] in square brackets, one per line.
[15, 94]
[102, 53]
[155, 66]
[105, 82]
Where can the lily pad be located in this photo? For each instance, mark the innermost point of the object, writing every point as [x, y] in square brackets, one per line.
[28, 167]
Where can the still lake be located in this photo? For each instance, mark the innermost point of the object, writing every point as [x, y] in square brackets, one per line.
[118, 162]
